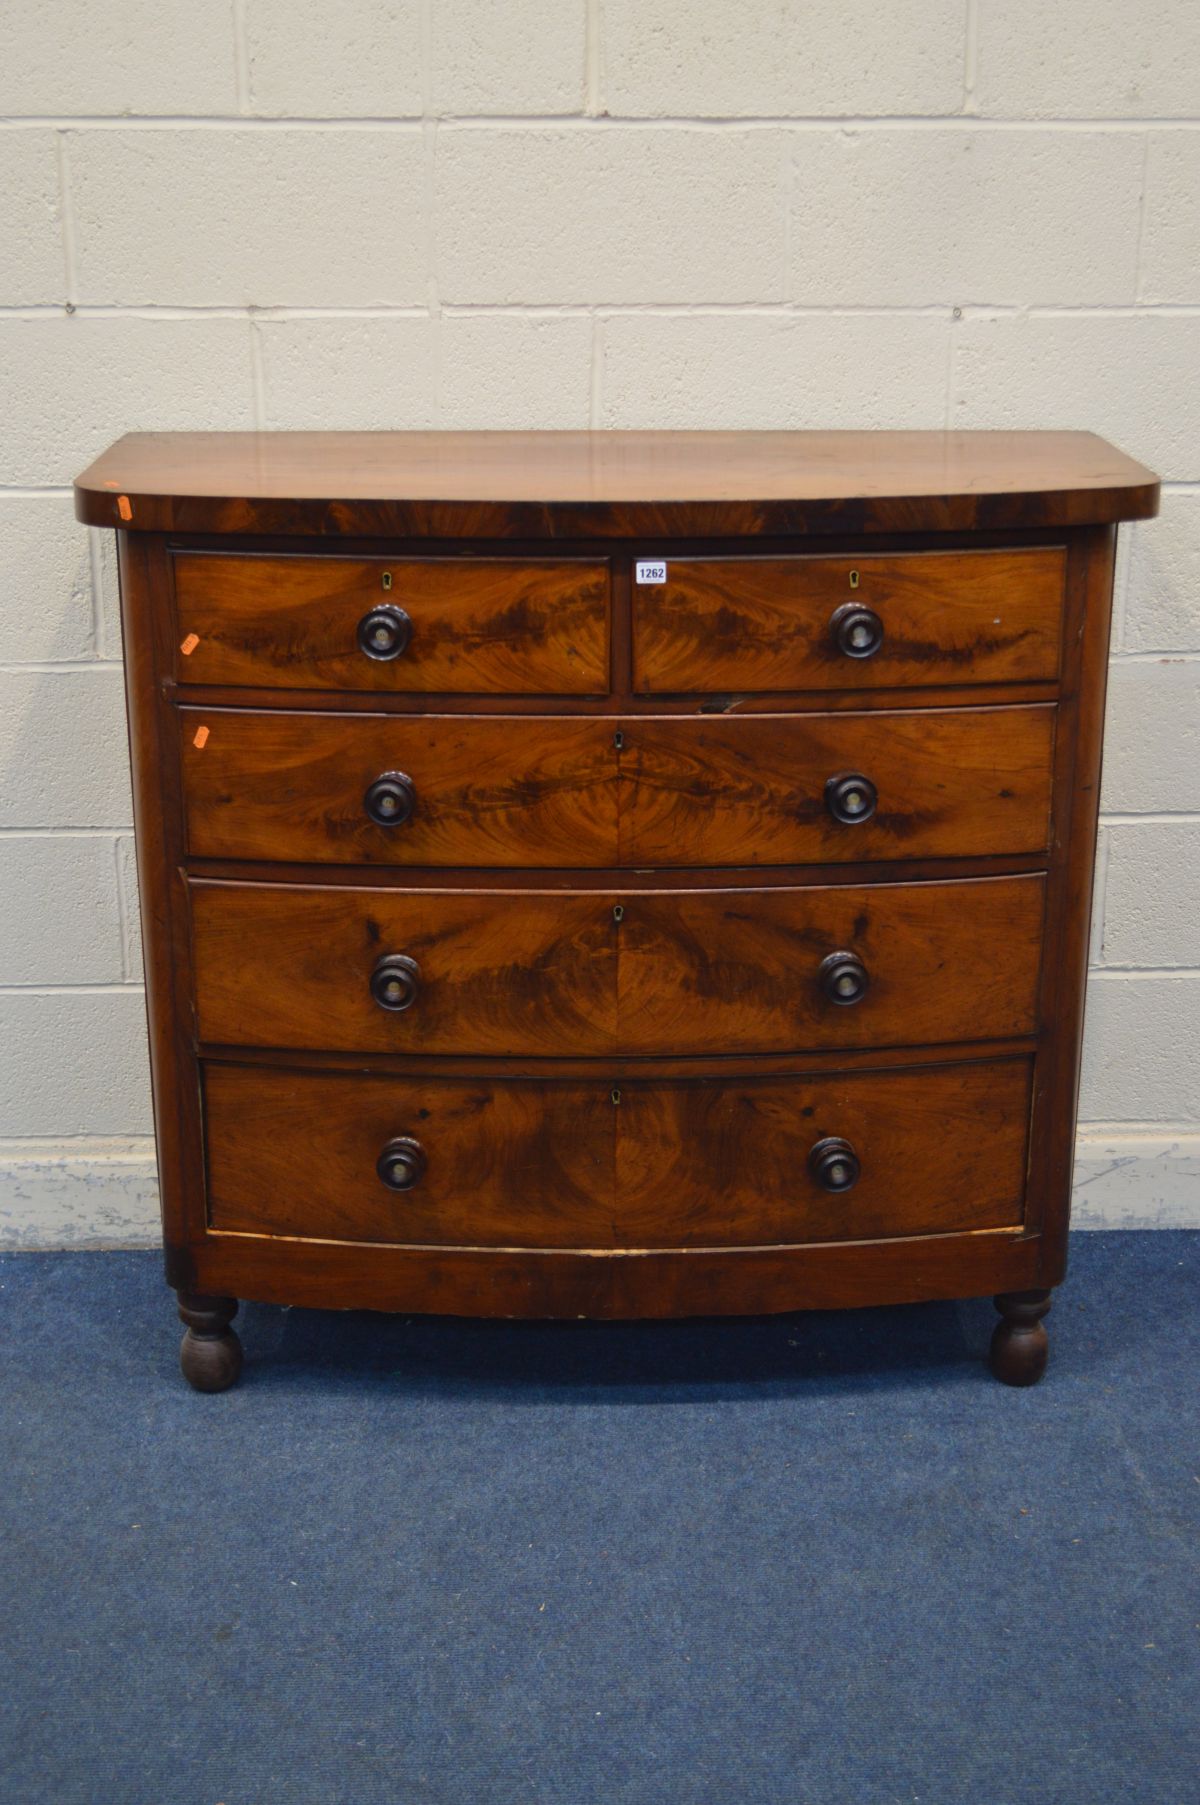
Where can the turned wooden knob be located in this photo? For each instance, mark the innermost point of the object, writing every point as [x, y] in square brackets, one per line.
[834, 1164]
[391, 799]
[384, 632]
[395, 982]
[850, 797]
[857, 631]
[402, 1163]
[843, 978]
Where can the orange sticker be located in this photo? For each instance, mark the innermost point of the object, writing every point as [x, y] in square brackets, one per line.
[200, 738]
[123, 507]
[189, 645]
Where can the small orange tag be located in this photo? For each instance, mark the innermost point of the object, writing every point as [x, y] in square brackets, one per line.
[123, 507]
[189, 645]
[200, 738]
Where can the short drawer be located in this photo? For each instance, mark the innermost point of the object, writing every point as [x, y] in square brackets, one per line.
[902, 619]
[494, 972]
[696, 1163]
[546, 791]
[390, 625]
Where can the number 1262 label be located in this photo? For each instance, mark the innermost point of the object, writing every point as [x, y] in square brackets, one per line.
[650, 572]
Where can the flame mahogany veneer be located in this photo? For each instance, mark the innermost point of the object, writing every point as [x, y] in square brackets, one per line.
[614, 874]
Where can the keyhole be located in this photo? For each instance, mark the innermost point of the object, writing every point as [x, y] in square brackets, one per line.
[854, 579]
[618, 913]
[616, 1095]
[386, 579]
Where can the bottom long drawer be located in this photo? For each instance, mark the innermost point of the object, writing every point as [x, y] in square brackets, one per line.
[653, 1163]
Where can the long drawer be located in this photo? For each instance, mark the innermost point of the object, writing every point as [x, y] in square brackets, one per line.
[393, 625]
[898, 619]
[543, 973]
[697, 1163]
[493, 791]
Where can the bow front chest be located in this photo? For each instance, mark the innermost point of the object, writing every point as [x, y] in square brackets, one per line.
[614, 874]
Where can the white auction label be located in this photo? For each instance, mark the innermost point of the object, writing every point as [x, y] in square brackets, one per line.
[648, 572]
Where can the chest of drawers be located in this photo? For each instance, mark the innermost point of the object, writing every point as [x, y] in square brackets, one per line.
[614, 875]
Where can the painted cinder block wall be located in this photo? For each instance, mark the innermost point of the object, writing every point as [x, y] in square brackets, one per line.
[571, 213]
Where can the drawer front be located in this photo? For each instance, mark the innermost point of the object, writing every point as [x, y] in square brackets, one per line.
[695, 1163]
[460, 626]
[684, 972]
[728, 1162]
[901, 620]
[548, 791]
[296, 1153]
[423, 971]
[492, 790]
[786, 970]
[768, 789]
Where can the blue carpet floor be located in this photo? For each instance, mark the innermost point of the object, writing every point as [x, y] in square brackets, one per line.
[426, 1562]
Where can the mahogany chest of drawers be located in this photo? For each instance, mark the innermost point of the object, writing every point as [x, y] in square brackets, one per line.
[614, 874]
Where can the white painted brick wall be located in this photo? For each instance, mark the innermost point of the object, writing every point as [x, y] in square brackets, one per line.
[671, 214]
[789, 57]
[562, 213]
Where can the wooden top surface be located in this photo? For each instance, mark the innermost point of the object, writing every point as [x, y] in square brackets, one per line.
[578, 484]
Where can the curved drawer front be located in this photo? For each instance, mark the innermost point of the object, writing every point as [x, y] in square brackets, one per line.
[487, 972]
[456, 625]
[553, 791]
[636, 972]
[903, 619]
[756, 789]
[783, 970]
[696, 1163]
[486, 790]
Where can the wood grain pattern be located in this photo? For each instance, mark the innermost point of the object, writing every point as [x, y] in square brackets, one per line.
[738, 970]
[750, 790]
[294, 1153]
[1068, 918]
[553, 975]
[500, 973]
[745, 624]
[625, 484]
[550, 810]
[478, 625]
[490, 791]
[546, 791]
[725, 1161]
[705, 1163]
[726, 1281]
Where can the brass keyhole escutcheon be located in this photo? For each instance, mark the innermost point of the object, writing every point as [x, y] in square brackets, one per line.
[386, 579]
[618, 912]
[854, 579]
[616, 1095]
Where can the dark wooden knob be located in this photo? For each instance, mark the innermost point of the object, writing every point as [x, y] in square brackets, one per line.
[834, 1164]
[843, 977]
[396, 981]
[391, 799]
[851, 797]
[857, 631]
[384, 632]
[401, 1165]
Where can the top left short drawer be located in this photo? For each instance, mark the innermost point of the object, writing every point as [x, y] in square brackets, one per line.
[451, 626]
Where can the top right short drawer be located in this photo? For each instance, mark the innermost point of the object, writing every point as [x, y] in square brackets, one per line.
[892, 620]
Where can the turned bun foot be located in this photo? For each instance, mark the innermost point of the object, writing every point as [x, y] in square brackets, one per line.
[210, 1354]
[1020, 1343]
